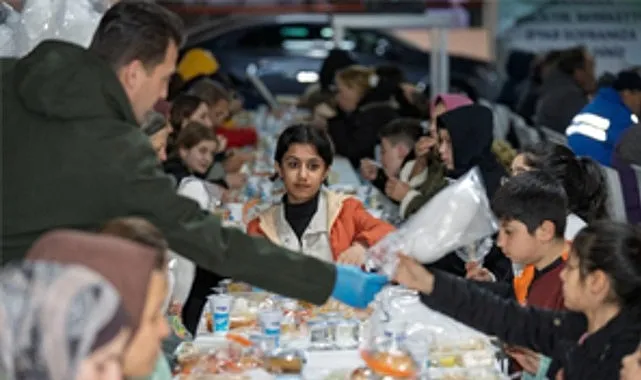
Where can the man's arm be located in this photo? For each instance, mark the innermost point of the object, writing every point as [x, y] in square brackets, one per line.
[145, 191]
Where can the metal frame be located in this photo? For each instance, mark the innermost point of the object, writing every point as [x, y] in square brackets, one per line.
[438, 25]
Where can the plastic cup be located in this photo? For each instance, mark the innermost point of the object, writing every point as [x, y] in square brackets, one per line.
[220, 307]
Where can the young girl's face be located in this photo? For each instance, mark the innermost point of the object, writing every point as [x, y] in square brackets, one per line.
[631, 366]
[581, 293]
[445, 149]
[219, 112]
[303, 171]
[198, 159]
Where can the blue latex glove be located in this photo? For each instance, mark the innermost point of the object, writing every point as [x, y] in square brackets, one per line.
[356, 288]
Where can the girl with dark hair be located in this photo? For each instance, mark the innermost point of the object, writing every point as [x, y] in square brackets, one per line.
[581, 177]
[315, 221]
[601, 290]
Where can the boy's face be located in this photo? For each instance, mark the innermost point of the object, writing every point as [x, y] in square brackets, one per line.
[392, 156]
[518, 244]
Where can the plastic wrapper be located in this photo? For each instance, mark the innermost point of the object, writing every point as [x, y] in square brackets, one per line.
[68, 20]
[457, 216]
[476, 251]
[437, 344]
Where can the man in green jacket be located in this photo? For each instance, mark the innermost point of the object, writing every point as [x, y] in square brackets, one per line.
[74, 157]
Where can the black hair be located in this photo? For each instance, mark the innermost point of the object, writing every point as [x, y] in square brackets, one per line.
[532, 198]
[305, 134]
[581, 177]
[572, 59]
[615, 249]
[136, 30]
[606, 79]
[627, 80]
[392, 73]
[182, 108]
[404, 130]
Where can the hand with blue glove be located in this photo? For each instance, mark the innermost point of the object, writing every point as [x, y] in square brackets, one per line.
[356, 288]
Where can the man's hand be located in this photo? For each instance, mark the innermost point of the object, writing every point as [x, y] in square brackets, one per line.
[413, 275]
[477, 273]
[354, 255]
[235, 180]
[527, 359]
[396, 189]
[369, 169]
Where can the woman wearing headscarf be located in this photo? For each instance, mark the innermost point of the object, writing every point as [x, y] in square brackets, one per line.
[427, 163]
[139, 274]
[60, 322]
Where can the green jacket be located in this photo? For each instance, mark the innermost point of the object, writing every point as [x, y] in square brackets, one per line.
[74, 157]
[434, 183]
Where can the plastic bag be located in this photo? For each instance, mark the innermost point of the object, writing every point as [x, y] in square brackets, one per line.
[475, 252]
[457, 216]
[68, 20]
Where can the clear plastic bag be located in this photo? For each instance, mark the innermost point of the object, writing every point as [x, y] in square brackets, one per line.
[68, 20]
[476, 251]
[457, 216]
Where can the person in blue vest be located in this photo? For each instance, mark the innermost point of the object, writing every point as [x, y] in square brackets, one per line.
[595, 130]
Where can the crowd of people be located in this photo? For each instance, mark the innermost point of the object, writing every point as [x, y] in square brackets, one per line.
[119, 154]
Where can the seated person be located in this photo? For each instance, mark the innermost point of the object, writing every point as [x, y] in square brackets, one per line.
[397, 144]
[312, 220]
[426, 163]
[531, 208]
[595, 130]
[196, 145]
[581, 177]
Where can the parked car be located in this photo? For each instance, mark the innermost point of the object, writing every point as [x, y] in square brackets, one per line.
[289, 50]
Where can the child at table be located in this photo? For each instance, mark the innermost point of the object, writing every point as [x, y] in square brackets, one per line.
[315, 221]
[601, 285]
[531, 208]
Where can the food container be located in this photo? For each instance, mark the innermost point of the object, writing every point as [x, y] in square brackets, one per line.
[285, 362]
[346, 334]
[319, 334]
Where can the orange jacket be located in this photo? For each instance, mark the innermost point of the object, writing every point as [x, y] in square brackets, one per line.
[348, 222]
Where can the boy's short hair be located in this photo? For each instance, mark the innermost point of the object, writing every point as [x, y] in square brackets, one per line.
[142, 232]
[532, 198]
[404, 130]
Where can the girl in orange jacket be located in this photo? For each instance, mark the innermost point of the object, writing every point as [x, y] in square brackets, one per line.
[315, 221]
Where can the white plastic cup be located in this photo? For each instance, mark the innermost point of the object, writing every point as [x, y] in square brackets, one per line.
[270, 321]
[220, 307]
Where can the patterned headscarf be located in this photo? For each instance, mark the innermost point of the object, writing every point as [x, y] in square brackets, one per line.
[53, 316]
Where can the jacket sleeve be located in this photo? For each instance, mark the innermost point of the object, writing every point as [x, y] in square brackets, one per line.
[143, 190]
[432, 185]
[368, 229]
[540, 330]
